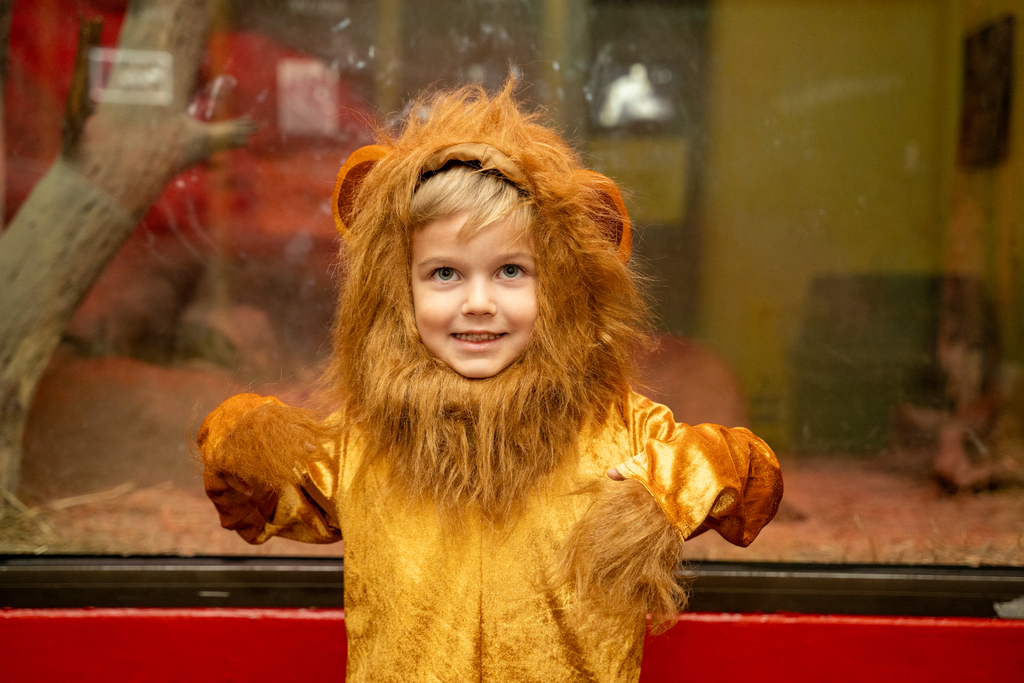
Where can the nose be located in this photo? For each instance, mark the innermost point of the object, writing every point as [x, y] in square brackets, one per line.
[479, 299]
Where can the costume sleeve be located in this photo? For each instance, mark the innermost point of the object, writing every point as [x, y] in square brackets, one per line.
[297, 504]
[303, 513]
[703, 477]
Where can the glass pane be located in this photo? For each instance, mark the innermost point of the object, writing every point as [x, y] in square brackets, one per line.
[823, 193]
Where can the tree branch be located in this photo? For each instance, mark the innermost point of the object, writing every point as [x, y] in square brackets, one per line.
[79, 107]
[116, 163]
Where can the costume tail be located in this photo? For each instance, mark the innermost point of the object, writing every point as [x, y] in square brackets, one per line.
[622, 557]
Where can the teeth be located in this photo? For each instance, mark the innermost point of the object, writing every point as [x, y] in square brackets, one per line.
[477, 337]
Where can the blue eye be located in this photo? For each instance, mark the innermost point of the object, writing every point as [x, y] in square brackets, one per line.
[444, 274]
[510, 270]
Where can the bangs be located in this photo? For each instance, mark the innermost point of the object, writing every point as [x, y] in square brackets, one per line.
[484, 197]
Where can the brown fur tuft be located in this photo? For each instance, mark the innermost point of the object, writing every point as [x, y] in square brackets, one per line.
[263, 440]
[622, 557]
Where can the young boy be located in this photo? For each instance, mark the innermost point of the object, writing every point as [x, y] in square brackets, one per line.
[511, 508]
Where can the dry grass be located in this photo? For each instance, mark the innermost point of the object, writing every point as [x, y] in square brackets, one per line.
[156, 520]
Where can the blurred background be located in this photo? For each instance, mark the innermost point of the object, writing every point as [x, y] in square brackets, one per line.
[827, 199]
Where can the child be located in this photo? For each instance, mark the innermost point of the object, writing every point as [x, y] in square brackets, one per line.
[511, 508]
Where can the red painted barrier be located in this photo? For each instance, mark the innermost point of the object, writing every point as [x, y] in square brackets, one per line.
[171, 645]
[174, 645]
[774, 648]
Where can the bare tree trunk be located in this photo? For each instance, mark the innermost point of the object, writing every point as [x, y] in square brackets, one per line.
[114, 164]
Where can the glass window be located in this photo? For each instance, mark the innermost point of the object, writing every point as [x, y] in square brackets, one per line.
[824, 197]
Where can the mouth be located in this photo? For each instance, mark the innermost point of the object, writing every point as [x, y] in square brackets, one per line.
[478, 336]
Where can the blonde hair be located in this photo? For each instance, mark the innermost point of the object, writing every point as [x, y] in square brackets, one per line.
[484, 197]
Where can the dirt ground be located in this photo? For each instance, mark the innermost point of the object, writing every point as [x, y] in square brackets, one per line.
[107, 471]
[852, 511]
[834, 510]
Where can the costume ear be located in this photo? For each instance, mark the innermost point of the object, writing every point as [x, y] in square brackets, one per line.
[611, 215]
[350, 179]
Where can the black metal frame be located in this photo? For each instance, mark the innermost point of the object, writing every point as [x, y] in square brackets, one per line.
[884, 590]
[147, 581]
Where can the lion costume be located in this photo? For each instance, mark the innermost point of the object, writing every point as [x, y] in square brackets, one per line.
[483, 537]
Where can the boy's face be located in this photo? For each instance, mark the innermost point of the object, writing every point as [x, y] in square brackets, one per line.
[475, 299]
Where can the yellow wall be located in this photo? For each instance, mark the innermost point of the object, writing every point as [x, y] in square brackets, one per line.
[832, 126]
[986, 228]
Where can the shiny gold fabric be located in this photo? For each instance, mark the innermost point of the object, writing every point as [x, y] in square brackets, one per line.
[425, 603]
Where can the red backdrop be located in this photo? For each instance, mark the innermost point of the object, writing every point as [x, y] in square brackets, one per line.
[174, 645]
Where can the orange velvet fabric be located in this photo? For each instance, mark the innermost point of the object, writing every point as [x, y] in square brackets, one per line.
[426, 602]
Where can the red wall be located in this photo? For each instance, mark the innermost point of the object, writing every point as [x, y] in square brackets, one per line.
[174, 645]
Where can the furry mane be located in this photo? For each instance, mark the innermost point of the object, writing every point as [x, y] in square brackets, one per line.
[458, 441]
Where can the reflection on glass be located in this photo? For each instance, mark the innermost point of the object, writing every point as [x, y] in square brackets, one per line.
[825, 201]
[632, 98]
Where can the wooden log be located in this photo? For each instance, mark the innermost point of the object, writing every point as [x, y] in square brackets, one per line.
[115, 162]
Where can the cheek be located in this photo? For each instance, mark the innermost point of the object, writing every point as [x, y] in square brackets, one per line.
[428, 311]
[534, 304]
[527, 309]
[419, 310]
[530, 318]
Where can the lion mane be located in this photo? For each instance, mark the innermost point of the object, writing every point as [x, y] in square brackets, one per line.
[488, 443]
[484, 442]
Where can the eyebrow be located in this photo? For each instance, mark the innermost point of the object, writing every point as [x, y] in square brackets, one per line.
[517, 256]
[447, 260]
[434, 261]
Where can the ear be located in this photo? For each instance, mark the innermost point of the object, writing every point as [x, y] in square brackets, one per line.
[350, 178]
[611, 215]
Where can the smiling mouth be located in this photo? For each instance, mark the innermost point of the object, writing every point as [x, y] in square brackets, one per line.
[478, 337]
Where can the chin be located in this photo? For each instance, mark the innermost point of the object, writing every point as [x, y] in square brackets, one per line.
[477, 373]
